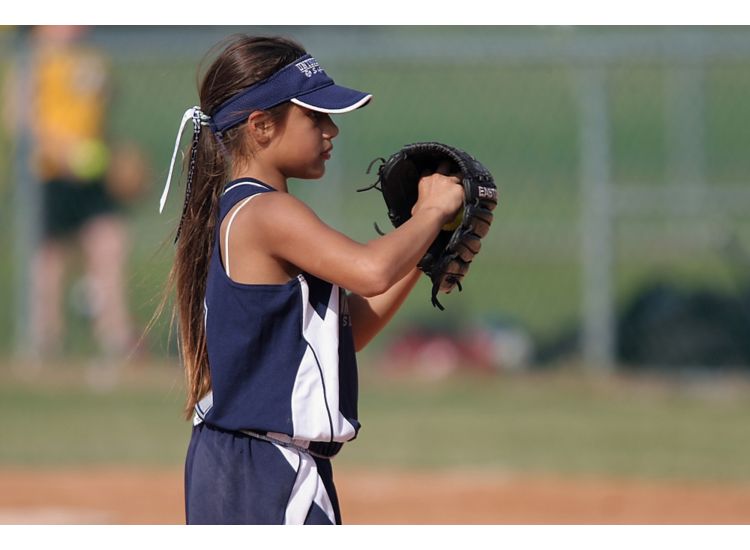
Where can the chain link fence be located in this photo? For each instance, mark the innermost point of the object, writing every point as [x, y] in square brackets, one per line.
[620, 155]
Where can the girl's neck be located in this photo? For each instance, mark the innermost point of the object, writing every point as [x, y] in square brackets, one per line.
[272, 178]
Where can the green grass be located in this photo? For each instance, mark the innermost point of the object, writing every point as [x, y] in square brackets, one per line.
[564, 423]
[556, 424]
[66, 423]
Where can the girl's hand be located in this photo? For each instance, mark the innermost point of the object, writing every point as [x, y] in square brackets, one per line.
[442, 192]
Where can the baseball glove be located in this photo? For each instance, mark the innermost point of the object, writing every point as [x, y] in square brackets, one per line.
[447, 260]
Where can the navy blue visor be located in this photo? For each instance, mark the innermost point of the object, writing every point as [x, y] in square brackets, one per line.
[303, 82]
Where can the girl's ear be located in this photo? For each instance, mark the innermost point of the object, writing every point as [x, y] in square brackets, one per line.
[260, 127]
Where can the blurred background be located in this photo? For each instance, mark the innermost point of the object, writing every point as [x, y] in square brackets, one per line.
[602, 339]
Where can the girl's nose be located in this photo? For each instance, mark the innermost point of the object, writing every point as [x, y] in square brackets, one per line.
[330, 130]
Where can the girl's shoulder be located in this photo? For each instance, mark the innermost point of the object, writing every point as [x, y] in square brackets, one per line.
[253, 208]
[237, 191]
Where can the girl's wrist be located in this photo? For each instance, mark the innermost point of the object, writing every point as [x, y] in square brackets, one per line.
[433, 211]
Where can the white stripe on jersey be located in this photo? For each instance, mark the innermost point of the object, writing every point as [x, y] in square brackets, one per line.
[229, 226]
[308, 488]
[311, 415]
[227, 190]
[315, 398]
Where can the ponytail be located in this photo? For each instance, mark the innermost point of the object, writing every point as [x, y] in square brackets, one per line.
[243, 61]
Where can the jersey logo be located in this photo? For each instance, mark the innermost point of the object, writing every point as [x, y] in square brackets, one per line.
[346, 319]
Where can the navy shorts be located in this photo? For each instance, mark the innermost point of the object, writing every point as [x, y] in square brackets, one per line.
[68, 205]
[233, 478]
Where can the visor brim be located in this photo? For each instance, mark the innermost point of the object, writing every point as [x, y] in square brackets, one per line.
[333, 99]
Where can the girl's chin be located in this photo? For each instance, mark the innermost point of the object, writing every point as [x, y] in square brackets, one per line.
[310, 174]
[318, 171]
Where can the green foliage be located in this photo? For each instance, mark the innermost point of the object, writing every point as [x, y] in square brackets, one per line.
[520, 119]
[522, 122]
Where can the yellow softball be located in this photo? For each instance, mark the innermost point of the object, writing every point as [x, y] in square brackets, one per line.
[456, 221]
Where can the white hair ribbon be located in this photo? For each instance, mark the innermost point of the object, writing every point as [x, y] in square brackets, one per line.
[199, 119]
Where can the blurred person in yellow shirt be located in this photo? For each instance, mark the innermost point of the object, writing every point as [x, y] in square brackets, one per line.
[70, 88]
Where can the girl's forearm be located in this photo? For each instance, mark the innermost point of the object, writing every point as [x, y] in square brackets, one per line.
[370, 315]
[396, 253]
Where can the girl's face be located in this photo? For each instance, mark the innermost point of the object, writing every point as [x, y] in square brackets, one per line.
[302, 143]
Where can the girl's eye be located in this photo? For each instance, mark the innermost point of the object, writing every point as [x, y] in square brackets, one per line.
[314, 115]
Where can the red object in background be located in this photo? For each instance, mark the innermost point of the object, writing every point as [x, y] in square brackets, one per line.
[435, 353]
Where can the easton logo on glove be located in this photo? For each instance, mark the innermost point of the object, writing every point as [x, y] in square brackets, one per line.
[447, 260]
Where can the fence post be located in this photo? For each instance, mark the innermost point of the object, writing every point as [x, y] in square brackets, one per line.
[597, 239]
[26, 204]
[685, 104]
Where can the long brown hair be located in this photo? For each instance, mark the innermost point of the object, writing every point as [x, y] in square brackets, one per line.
[243, 61]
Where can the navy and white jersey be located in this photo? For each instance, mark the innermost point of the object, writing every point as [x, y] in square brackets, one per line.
[281, 356]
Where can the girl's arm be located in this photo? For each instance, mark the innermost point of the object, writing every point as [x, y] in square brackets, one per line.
[281, 227]
[370, 315]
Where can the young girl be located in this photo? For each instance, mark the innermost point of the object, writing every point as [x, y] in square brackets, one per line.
[267, 333]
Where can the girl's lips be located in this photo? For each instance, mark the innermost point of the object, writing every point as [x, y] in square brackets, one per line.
[327, 154]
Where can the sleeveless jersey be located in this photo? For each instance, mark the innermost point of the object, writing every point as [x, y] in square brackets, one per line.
[281, 356]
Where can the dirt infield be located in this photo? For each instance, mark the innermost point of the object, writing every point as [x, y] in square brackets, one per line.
[149, 496]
